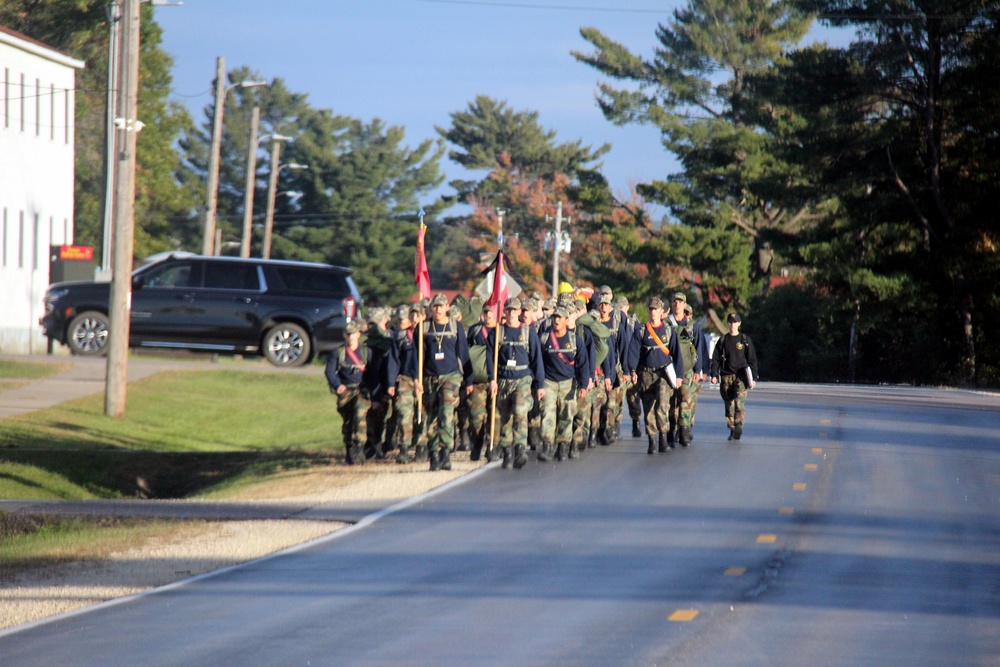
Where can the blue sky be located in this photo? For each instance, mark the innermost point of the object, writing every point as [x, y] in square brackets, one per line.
[413, 62]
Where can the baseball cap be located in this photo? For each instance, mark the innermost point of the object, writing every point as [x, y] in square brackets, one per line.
[734, 317]
[680, 296]
[439, 300]
[654, 302]
[512, 303]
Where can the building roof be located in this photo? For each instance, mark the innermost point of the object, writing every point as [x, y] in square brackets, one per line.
[33, 46]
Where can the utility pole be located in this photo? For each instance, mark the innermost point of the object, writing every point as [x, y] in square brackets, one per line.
[114, 18]
[127, 126]
[251, 181]
[272, 187]
[211, 197]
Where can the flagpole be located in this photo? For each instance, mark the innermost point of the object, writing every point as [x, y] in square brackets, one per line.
[498, 276]
[420, 330]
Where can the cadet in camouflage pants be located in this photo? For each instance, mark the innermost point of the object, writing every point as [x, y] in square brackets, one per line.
[479, 421]
[404, 413]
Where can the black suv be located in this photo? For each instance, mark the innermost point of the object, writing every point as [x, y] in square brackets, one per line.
[287, 311]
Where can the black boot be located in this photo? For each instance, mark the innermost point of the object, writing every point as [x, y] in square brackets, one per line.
[444, 459]
[420, 455]
[463, 440]
[603, 436]
[652, 445]
[560, 452]
[520, 458]
[636, 433]
[664, 447]
[534, 438]
[433, 457]
[403, 456]
[545, 454]
[492, 454]
[506, 457]
[670, 439]
[684, 436]
[737, 431]
[591, 440]
[571, 451]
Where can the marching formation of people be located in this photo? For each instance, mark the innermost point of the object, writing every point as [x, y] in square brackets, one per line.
[552, 378]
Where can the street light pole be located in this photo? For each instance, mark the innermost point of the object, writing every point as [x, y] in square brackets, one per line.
[556, 246]
[212, 196]
[272, 187]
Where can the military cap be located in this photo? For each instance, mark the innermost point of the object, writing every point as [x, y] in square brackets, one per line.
[537, 296]
[605, 297]
[680, 296]
[619, 302]
[550, 304]
[654, 302]
[734, 317]
[565, 299]
[439, 300]
[561, 311]
[605, 289]
[403, 312]
[688, 309]
[512, 303]
[352, 327]
[531, 303]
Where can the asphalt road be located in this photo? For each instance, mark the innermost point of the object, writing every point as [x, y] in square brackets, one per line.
[851, 526]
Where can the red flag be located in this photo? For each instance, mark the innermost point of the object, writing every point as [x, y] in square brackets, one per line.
[423, 279]
[498, 296]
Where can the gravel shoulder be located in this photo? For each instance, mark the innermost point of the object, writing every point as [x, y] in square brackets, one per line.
[198, 547]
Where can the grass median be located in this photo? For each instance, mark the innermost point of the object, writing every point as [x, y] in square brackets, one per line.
[185, 434]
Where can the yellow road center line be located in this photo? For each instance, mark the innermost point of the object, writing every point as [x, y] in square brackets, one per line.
[682, 615]
[817, 450]
[735, 571]
[786, 510]
[824, 421]
[811, 466]
[799, 486]
[767, 538]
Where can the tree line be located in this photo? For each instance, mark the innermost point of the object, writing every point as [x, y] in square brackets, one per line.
[841, 198]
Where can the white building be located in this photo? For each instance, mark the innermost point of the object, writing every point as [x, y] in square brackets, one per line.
[37, 102]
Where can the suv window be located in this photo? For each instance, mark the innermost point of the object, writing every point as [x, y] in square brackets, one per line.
[180, 274]
[231, 275]
[304, 279]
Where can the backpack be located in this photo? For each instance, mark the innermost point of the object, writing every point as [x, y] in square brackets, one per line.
[600, 333]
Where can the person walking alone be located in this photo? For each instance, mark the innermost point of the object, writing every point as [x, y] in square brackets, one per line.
[734, 367]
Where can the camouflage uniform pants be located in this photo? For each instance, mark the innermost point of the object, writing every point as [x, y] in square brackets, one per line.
[535, 422]
[616, 398]
[734, 394]
[633, 396]
[440, 401]
[588, 418]
[353, 406]
[514, 401]
[558, 411]
[683, 402]
[376, 427]
[404, 412]
[656, 392]
[479, 414]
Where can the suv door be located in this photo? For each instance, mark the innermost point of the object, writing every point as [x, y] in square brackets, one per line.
[163, 301]
[227, 305]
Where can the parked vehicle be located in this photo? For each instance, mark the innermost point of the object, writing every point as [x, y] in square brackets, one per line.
[286, 311]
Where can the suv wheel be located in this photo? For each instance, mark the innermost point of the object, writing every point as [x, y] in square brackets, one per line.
[287, 344]
[87, 335]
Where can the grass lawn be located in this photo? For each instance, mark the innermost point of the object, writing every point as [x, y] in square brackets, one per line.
[184, 433]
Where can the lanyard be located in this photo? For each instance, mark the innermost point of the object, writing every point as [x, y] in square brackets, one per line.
[555, 346]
